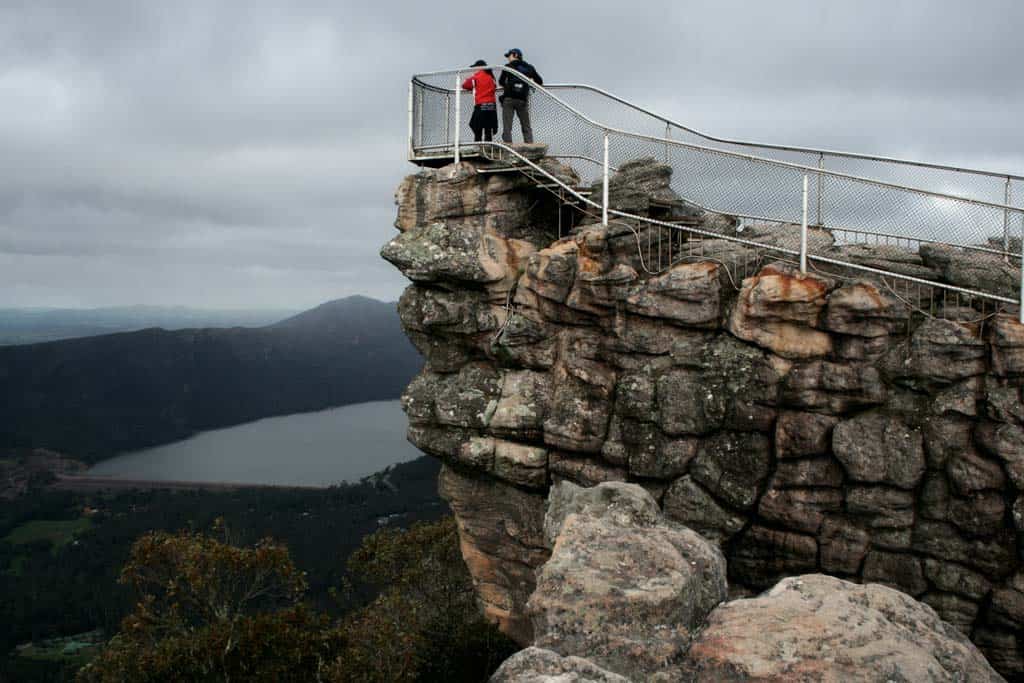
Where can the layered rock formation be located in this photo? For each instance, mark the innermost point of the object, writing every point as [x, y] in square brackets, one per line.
[804, 423]
[628, 593]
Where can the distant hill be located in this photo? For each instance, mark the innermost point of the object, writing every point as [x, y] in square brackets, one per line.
[96, 396]
[33, 325]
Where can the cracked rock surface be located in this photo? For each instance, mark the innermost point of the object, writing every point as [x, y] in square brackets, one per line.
[804, 423]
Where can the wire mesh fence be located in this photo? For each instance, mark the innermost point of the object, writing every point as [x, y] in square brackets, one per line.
[977, 184]
[853, 202]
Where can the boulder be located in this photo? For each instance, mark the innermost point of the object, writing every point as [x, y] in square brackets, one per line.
[642, 186]
[537, 665]
[469, 398]
[623, 588]
[973, 269]
[954, 610]
[520, 464]
[954, 578]
[578, 415]
[819, 628]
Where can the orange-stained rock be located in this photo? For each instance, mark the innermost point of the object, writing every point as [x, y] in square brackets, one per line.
[780, 310]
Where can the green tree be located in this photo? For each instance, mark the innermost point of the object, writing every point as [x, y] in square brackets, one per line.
[212, 611]
[209, 610]
[425, 624]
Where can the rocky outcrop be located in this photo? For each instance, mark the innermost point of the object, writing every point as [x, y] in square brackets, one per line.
[623, 587]
[804, 423]
[629, 595]
[537, 665]
[819, 628]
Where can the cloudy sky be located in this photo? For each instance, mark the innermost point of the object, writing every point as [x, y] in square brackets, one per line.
[245, 154]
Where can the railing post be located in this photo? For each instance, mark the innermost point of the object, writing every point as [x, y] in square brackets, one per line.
[447, 117]
[458, 113]
[604, 184]
[1006, 221]
[803, 234]
[412, 147]
[821, 183]
[418, 104]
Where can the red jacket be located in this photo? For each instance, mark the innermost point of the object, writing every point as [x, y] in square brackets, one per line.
[485, 87]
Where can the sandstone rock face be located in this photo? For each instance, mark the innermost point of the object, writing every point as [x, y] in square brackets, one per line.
[819, 628]
[804, 423]
[623, 587]
[501, 534]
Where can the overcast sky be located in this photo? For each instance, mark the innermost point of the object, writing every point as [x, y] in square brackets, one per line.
[222, 154]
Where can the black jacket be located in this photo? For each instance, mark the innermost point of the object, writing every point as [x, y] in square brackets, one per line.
[517, 88]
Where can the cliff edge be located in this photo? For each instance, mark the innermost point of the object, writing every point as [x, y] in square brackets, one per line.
[804, 423]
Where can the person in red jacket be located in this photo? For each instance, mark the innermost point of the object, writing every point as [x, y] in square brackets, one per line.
[484, 121]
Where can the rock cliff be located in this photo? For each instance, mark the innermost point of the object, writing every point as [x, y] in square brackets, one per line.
[806, 424]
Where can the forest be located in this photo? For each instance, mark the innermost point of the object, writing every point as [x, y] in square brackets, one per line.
[61, 552]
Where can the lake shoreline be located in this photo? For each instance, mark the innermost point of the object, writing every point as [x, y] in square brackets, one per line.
[92, 484]
[315, 449]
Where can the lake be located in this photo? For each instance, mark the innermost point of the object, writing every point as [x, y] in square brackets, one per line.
[306, 449]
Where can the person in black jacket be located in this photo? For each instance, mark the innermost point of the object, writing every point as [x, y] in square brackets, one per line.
[515, 100]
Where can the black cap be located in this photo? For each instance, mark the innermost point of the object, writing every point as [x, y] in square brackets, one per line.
[515, 51]
[479, 62]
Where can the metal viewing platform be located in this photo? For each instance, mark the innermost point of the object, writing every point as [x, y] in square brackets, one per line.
[974, 216]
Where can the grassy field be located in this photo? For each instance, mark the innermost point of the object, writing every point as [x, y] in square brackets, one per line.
[58, 532]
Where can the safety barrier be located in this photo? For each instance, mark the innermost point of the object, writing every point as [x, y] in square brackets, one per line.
[945, 205]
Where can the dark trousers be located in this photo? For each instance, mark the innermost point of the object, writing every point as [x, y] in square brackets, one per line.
[482, 134]
[484, 122]
[521, 108]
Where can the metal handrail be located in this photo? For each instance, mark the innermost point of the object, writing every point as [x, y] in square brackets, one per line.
[782, 148]
[738, 240]
[740, 143]
[812, 170]
[807, 171]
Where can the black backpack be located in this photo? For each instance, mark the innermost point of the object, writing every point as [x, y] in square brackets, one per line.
[517, 87]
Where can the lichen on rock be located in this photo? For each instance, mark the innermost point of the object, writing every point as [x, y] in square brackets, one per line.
[803, 422]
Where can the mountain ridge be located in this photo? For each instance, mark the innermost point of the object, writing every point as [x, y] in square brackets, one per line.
[92, 397]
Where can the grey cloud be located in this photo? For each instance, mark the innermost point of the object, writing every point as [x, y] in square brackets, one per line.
[236, 154]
